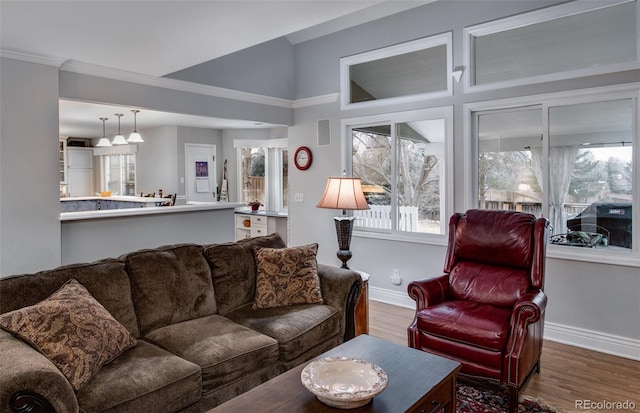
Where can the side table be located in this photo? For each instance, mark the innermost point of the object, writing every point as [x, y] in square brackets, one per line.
[362, 307]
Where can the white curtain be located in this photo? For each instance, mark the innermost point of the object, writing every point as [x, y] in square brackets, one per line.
[561, 162]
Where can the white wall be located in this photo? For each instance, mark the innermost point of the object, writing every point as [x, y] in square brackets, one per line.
[29, 183]
[156, 161]
[591, 305]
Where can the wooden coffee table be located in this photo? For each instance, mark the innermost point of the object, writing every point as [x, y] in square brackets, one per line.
[419, 382]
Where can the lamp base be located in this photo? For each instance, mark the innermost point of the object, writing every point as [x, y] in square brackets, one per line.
[344, 228]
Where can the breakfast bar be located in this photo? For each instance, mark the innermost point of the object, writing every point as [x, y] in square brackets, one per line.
[96, 234]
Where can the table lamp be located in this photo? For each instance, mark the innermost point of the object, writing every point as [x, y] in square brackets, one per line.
[343, 193]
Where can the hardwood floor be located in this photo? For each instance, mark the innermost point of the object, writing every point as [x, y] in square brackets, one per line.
[568, 374]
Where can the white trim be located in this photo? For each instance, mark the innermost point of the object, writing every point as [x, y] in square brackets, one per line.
[534, 17]
[261, 143]
[593, 340]
[25, 56]
[383, 295]
[390, 51]
[316, 100]
[574, 336]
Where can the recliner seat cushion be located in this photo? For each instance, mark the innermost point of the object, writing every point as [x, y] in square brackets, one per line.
[224, 350]
[468, 322]
[297, 328]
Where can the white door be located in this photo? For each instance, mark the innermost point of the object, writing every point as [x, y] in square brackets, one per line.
[201, 182]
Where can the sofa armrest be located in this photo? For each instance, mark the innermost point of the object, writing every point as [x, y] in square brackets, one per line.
[29, 382]
[429, 292]
[341, 289]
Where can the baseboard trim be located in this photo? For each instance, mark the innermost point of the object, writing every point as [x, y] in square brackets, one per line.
[593, 340]
[588, 339]
[383, 295]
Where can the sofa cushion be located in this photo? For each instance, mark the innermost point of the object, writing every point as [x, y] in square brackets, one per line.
[170, 284]
[297, 328]
[479, 325]
[106, 280]
[287, 276]
[72, 330]
[233, 269]
[144, 379]
[224, 350]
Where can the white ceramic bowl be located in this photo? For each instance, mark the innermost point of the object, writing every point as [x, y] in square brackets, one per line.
[344, 382]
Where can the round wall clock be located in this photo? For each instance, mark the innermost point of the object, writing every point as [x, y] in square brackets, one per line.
[302, 158]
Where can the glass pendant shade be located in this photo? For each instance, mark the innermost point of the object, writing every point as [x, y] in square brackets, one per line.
[103, 142]
[119, 139]
[135, 136]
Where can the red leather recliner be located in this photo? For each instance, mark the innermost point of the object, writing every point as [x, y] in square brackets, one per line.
[487, 310]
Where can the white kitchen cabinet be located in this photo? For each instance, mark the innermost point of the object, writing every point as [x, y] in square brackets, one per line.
[80, 171]
[255, 225]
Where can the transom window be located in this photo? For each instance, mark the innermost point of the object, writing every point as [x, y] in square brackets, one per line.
[569, 40]
[406, 72]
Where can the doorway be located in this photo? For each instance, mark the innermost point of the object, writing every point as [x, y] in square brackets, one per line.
[201, 182]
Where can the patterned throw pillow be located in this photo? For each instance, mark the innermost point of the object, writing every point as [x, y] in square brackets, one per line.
[72, 330]
[287, 276]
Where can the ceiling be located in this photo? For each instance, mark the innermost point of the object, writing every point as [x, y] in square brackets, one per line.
[149, 37]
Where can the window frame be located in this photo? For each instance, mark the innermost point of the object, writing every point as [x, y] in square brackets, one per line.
[442, 112]
[122, 150]
[547, 101]
[445, 39]
[531, 18]
[273, 164]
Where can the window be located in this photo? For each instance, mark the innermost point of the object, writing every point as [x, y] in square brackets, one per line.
[401, 163]
[119, 174]
[568, 160]
[406, 72]
[569, 40]
[263, 171]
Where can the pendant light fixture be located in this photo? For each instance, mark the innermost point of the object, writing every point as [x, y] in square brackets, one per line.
[119, 139]
[103, 141]
[135, 136]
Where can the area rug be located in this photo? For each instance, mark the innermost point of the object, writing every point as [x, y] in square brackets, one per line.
[475, 399]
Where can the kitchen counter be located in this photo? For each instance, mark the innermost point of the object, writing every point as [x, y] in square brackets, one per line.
[90, 235]
[95, 203]
[127, 212]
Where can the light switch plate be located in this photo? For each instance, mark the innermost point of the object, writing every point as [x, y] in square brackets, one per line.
[299, 197]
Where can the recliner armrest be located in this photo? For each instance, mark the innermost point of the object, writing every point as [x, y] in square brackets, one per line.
[429, 292]
[528, 309]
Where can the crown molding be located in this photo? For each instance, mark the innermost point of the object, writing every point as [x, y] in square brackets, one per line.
[23, 55]
[73, 66]
[174, 84]
[316, 100]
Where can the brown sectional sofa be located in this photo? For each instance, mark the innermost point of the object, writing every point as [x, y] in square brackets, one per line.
[199, 341]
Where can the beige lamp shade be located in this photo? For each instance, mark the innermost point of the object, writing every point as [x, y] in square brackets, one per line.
[343, 193]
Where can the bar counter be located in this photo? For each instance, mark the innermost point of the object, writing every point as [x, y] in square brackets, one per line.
[90, 235]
